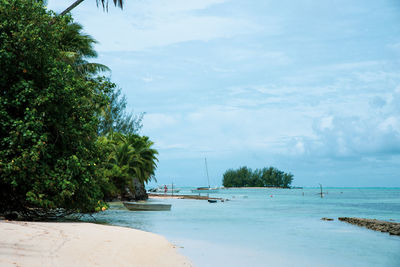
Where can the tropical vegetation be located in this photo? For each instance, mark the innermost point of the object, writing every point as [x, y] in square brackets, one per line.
[104, 3]
[67, 143]
[265, 177]
[128, 156]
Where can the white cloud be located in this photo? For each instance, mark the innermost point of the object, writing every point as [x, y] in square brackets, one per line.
[146, 24]
[389, 124]
[225, 129]
[394, 46]
[350, 124]
[157, 121]
[160, 7]
[346, 66]
[373, 134]
[257, 53]
[374, 76]
[326, 123]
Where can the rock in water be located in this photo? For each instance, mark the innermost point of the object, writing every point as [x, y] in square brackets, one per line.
[138, 192]
[392, 228]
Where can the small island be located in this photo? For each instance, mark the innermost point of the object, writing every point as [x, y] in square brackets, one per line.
[265, 177]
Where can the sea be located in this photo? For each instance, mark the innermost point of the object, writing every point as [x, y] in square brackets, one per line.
[274, 227]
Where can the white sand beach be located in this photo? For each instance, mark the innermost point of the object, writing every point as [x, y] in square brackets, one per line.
[83, 244]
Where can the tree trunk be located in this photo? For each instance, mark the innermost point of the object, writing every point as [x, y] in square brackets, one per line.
[75, 4]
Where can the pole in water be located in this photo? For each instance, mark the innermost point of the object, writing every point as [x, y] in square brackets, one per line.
[322, 195]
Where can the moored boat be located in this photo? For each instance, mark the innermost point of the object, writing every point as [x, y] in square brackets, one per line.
[167, 189]
[144, 206]
[205, 189]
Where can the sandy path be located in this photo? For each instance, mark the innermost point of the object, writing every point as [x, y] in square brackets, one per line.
[83, 244]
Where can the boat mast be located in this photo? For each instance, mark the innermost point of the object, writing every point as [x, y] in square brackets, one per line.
[208, 178]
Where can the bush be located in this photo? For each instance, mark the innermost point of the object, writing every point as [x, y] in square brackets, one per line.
[49, 115]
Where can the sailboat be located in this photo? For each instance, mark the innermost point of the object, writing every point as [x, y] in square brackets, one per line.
[208, 189]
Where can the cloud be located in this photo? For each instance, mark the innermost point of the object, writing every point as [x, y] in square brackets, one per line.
[222, 129]
[166, 32]
[257, 54]
[155, 23]
[343, 121]
[315, 84]
[160, 7]
[394, 47]
[377, 102]
[156, 121]
[372, 135]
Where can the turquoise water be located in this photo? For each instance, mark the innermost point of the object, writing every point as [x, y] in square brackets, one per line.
[275, 227]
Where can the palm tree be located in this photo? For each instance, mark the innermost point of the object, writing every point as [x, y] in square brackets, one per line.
[76, 47]
[131, 163]
[145, 165]
[104, 3]
[147, 155]
[143, 161]
[119, 165]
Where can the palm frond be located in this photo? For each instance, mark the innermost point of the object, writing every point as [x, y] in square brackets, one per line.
[104, 3]
[69, 57]
[91, 68]
[74, 40]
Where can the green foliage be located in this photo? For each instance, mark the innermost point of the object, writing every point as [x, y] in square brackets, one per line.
[129, 157]
[114, 117]
[77, 47]
[49, 115]
[266, 177]
[52, 109]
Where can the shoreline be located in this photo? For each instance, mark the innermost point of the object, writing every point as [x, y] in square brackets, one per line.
[83, 244]
[177, 196]
[265, 187]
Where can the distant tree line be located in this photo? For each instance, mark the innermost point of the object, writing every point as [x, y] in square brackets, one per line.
[266, 177]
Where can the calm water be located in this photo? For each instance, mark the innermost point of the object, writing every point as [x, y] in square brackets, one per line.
[255, 229]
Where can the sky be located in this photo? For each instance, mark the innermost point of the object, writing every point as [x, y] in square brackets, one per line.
[309, 87]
